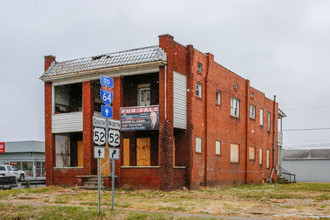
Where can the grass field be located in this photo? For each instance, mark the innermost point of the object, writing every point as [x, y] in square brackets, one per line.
[276, 201]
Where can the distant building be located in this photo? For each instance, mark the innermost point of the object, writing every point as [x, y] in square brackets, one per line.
[211, 127]
[28, 156]
[309, 165]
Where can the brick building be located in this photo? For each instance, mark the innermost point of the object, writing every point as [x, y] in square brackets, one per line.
[213, 129]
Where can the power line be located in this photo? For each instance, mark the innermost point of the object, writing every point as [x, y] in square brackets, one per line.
[306, 129]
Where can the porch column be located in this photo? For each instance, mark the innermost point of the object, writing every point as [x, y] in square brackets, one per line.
[88, 112]
[49, 138]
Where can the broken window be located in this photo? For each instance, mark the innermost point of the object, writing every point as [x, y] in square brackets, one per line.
[97, 97]
[144, 94]
[69, 150]
[68, 98]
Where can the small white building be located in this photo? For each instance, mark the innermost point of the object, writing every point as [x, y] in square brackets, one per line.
[28, 156]
[309, 165]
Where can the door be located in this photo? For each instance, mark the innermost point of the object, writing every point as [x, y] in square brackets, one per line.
[143, 151]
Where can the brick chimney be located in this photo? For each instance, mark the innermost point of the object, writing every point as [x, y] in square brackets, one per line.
[48, 61]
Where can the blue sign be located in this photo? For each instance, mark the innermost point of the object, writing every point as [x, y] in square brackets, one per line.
[106, 96]
[106, 111]
[106, 81]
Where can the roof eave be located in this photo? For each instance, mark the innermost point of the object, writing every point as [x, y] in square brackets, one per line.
[113, 71]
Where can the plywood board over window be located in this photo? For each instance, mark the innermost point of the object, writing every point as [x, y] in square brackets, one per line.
[62, 150]
[126, 152]
[143, 151]
[198, 145]
[234, 153]
[251, 153]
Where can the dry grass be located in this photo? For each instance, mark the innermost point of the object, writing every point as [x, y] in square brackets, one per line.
[307, 200]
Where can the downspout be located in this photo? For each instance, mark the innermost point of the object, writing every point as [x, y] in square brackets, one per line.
[247, 130]
[165, 93]
[273, 150]
[205, 121]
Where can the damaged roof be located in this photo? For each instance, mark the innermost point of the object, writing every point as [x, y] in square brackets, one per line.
[305, 154]
[116, 59]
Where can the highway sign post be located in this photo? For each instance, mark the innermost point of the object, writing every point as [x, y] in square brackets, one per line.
[106, 130]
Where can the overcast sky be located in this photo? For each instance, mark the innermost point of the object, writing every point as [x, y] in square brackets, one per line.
[283, 47]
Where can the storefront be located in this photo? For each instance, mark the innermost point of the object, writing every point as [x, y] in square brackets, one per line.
[28, 156]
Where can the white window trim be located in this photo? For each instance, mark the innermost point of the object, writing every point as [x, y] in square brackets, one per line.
[260, 156]
[268, 121]
[261, 117]
[252, 111]
[234, 107]
[217, 147]
[198, 145]
[199, 89]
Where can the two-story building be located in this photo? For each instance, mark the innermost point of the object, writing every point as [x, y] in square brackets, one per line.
[212, 127]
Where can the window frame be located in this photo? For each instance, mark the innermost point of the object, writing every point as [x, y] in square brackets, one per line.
[140, 88]
[232, 156]
[234, 109]
[218, 97]
[217, 147]
[253, 153]
[198, 145]
[199, 67]
[268, 121]
[268, 159]
[253, 115]
[261, 118]
[260, 156]
[199, 89]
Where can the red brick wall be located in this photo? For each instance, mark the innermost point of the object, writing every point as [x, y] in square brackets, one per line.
[213, 122]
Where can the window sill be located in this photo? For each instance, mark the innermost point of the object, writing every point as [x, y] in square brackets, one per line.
[67, 168]
[235, 163]
[234, 117]
[199, 98]
[219, 105]
[198, 153]
[218, 155]
[253, 119]
[139, 167]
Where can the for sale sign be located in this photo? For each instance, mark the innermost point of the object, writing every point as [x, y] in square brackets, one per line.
[2, 147]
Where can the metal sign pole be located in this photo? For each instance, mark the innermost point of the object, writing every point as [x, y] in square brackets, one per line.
[113, 183]
[99, 183]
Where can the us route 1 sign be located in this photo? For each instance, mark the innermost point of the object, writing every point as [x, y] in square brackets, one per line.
[99, 131]
[99, 152]
[114, 153]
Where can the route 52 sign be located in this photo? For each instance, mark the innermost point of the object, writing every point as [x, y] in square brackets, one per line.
[99, 136]
[114, 137]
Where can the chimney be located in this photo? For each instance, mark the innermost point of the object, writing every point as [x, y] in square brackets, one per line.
[48, 61]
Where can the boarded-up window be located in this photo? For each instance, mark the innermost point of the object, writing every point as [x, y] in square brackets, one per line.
[260, 156]
[268, 158]
[198, 145]
[234, 153]
[217, 147]
[251, 153]
[143, 151]
[62, 150]
[126, 152]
